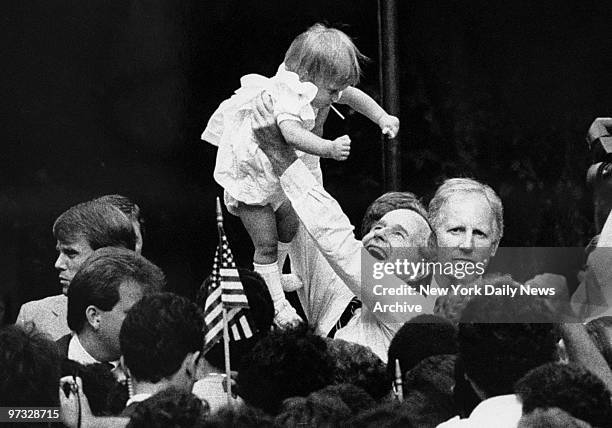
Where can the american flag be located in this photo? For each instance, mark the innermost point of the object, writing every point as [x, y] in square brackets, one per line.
[225, 291]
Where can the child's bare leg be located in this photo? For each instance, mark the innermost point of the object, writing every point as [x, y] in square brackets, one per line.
[287, 223]
[260, 223]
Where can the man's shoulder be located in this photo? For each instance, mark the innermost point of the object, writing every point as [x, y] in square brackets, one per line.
[48, 315]
[51, 301]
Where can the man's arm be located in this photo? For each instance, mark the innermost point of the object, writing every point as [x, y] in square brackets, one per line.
[581, 349]
[320, 214]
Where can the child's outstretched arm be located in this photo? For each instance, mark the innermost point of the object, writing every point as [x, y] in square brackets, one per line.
[364, 104]
[301, 139]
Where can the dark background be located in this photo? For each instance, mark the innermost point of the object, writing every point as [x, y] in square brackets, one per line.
[111, 97]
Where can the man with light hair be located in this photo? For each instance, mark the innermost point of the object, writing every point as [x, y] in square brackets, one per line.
[467, 218]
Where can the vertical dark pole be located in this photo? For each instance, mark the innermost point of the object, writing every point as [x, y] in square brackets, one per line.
[389, 88]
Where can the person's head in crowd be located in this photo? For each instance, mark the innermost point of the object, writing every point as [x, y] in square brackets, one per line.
[551, 418]
[571, 388]
[600, 331]
[315, 410]
[261, 312]
[132, 211]
[171, 407]
[428, 390]
[161, 341]
[29, 368]
[419, 338]
[6, 309]
[468, 222]
[451, 305]
[495, 350]
[428, 407]
[238, 417]
[432, 373]
[388, 202]
[387, 415]
[353, 396]
[289, 363]
[98, 384]
[359, 365]
[84, 228]
[108, 284]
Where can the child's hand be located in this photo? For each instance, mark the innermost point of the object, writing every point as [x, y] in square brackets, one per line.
[389, 125]
[340, 148]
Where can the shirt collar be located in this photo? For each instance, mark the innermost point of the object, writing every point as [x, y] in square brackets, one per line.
[77, 353]
[137, 398]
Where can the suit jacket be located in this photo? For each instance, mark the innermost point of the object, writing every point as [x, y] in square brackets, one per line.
[63, 343]
[48, 315]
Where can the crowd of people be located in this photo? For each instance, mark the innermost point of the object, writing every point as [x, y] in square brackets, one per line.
[134, 351]
[116, 348]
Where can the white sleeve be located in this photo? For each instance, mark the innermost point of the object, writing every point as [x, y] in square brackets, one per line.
[326, 223]
[333, 234]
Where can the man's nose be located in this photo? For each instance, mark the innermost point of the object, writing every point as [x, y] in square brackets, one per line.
[467, 242]
[60, 263]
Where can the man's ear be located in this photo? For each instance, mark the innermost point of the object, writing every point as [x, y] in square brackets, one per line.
[93, 316]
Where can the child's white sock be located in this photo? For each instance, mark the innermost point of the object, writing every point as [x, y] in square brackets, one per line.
[271, 275]
[284, 314]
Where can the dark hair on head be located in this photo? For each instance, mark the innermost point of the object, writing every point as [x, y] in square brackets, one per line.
[126, 206]
[353, 396]
[359, 365]
[29, 368]
[419, 338]
[551, 418]
[432, 373]
[428, 390]
[98, 382]
[158, 333]
[597, 331]
[288, 363]
[316, 410]
[171, 407]
[391, 201]
[428, 407]
[100, 224]
[98, 280]
[238, 417]
[261, 312]
[387, 415]
[496, 350]
[569, 387]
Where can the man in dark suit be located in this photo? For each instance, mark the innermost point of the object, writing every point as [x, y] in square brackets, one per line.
[106, 286]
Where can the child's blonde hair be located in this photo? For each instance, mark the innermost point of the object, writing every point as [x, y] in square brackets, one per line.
[324, 55]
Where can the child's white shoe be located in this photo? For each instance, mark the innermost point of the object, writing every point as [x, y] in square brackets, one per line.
[285, 315]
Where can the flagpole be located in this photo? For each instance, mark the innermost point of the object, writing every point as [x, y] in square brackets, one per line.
[226, 339]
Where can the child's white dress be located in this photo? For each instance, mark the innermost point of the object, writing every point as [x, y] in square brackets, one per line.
[242, 169]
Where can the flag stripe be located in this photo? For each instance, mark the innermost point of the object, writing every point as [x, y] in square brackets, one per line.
[225, 291]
